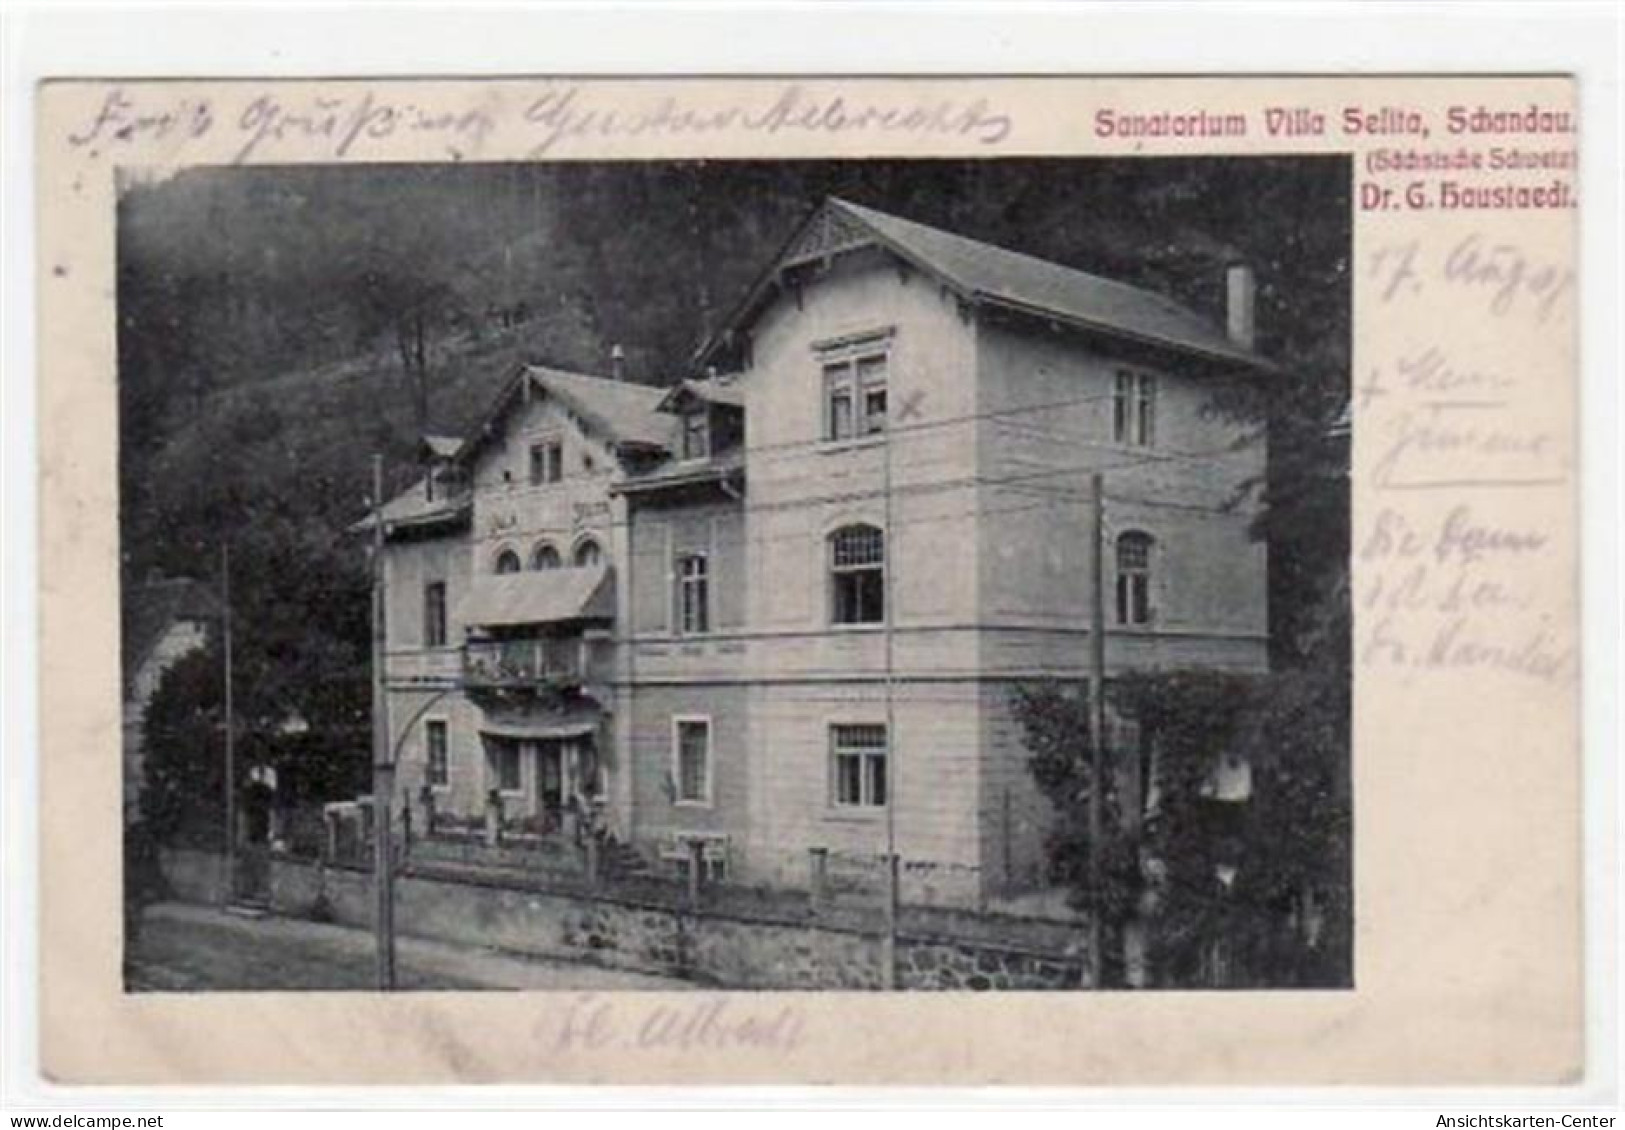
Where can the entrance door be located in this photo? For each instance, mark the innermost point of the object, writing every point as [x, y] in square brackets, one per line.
[550, 792]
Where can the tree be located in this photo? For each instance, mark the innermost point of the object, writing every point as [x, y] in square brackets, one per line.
[183, 792]
[1260, 888]
[1057, 722]
[414, 309]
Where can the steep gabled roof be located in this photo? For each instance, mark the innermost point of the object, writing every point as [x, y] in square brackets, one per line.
[414, 508]
[984, 274]
[622, 412]
[728, 394]
[619, 412]
[439, 447]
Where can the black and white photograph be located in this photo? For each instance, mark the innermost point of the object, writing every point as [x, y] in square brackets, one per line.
[847, 574]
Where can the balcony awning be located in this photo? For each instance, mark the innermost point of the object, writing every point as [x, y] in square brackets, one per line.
[548, 596]
[575, 722]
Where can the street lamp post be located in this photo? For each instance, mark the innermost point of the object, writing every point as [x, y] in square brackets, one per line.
[229, 887]
[383, 761]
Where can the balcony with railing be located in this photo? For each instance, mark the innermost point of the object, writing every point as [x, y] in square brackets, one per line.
[550, 661]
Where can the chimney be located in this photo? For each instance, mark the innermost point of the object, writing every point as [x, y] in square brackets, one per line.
[1241, 293]
[617, 362]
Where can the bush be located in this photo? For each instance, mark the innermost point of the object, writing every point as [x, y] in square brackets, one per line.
[1247, 893]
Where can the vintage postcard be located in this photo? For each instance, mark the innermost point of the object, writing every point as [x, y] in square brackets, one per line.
[1024, 580]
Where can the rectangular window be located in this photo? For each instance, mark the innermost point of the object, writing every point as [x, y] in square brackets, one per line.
[1134, 409]
[434, 614]
[694, 596]
[838, 395]
[855, 397]
[696, 436]
[437, 753]
[872, 384]
[713, 869]
[1133, 598]
[546, 462]
[858, 770]
[505, 766]
[858, 575]
[693, 757]
[1122, 404]
[1145, 411]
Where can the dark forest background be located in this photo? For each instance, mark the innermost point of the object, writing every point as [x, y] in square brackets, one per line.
[278, 326]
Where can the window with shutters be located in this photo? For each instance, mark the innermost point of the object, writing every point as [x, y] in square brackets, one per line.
[691, 759]
[857, 568]
[1134, 578]
[858, 765]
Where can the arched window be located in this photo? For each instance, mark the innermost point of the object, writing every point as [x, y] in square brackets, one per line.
[508, 562]
[857, 570]
[588, 553]
[1134, 578]
[545, 556]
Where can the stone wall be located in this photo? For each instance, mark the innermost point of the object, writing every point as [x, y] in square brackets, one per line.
[734, 940]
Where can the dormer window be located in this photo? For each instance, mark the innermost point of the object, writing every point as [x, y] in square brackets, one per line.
[696, 434]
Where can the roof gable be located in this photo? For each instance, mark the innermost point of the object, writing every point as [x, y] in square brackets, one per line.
[617, 412]
[433, 447]
[985, 274]
[686, 394]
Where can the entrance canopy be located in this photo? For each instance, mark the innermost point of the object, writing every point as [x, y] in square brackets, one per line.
[575, 722]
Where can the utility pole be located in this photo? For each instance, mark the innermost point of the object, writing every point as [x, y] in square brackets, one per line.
[383, 767]
[1097, 727]
[892, 870]
[229, 888]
